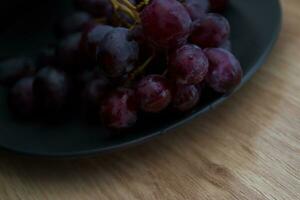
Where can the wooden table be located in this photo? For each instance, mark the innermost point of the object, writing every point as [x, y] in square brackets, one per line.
[247, 148]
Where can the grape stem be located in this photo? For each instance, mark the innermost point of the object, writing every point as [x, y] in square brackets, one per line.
[139, 70]
[126, 7]
[100, 20]
[127, 24]
[142, 4]
[129, 4]
[131, 10]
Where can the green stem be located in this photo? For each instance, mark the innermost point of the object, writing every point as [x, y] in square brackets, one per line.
[128, 4]
[141, 68]
[126, 7]
[142, 4]
[100, 20]
[138, 71]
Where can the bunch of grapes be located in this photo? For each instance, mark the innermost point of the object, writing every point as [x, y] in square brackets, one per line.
[119, 58]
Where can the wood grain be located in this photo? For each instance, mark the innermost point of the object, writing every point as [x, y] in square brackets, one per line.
[246, 149]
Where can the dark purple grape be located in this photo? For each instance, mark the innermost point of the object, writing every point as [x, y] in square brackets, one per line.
[196, 8]
[13, 69]
[81, 80]
[92, 37]
[68, 50]
[185, 97]
[226, 45]
[97, 8]
[154, 93]
[188, 65]
[166, 23]
[119, 109]
[86, 76]
[47, 57]
[95, 91]
[73, 23]
[218, 5]
[51, 89]
[117, 54]
[70, 57]
[225, 71]
[211, 31]
[21, 99]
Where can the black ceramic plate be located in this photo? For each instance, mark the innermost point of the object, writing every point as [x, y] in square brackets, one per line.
[255, 27]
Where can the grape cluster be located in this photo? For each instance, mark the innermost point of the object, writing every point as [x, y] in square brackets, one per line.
[119, 58]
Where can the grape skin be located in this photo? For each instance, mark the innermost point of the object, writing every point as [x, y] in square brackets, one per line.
[166, 23]
[73, 23]
[226, 45]
[51, 90]
[117, 54]
[94, 91]
[13, 69]
[69, 56]
[154, 93]
[21, 99]
[92, 38]
[118, 110]
[225, 71]
[188, 64]
[185, 97]
[197, 8]
[211, 31]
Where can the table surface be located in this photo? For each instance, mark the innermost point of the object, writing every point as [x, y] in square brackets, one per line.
[247, 148]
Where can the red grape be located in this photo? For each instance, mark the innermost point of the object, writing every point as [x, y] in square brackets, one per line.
[210, 31]
[51, 89]
[13, 69]
[196, 8]
[154, 93]
[218, 5]
[117, 54]
[185, 97]
[225, 71]
[188, 64]
[166, 23]
[20, 98]
[119, 109]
